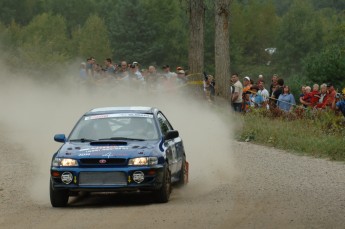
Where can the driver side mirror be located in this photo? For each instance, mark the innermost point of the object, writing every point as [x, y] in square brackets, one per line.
[171, 134]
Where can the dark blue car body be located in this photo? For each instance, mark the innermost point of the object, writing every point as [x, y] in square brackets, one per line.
[119, 164]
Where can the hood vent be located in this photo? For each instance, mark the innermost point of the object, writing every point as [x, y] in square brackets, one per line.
[108, 142]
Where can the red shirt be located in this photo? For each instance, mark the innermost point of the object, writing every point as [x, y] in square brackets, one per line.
[331, 97]
[315, 96]
[307, 97]
[322, 101]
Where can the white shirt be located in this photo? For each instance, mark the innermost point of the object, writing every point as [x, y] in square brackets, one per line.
[264, 93]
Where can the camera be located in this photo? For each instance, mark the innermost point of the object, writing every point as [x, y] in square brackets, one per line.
[338, 95]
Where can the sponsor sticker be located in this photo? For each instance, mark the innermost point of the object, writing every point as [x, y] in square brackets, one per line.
[103, 148]
[84, 154]
[118, 115]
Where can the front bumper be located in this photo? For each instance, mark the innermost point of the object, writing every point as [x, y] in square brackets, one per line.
[108, 179]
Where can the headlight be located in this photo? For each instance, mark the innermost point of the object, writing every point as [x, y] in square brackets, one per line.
[143, 161]
[64, 162]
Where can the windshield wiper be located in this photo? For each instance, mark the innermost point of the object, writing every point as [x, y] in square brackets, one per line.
[82, 140]
[122, 138]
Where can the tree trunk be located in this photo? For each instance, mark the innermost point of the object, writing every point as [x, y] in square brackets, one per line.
[196, 11]
[222, 53]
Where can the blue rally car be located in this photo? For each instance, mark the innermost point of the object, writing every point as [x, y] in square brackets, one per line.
[118, 149]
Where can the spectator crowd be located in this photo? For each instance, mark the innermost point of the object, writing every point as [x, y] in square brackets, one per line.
[244, 94]
[133, 75]
[130, 73]
[247, 95]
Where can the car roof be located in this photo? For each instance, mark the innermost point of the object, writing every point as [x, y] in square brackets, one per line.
[111, 110]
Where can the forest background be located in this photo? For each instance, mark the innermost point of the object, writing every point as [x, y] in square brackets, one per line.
[307, 36]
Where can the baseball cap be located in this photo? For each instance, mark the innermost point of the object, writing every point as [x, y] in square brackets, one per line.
[181, 72]
[246, 78]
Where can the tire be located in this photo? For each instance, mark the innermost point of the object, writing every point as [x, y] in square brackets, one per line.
[162, 195]
[58, 198]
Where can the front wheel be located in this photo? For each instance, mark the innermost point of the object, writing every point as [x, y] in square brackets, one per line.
[162, 195]
[58, 198]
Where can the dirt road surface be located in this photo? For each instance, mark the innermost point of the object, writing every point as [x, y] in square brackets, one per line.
[271, 189]
[232, 184]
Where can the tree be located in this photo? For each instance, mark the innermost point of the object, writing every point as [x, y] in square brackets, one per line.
[222, 55]
[21, 11]
[40, 46]
[132, 36]
[75, 12]
[149, 31]
[327, 66]
[209, 37]
[93, 39]
[300, 33]
[168, 20]
[196, 12]
[253, 28]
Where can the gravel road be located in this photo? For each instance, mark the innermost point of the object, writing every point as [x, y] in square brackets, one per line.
[232, 184]
[270, 189]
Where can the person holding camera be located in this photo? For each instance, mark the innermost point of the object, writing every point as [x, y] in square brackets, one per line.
[339, 102]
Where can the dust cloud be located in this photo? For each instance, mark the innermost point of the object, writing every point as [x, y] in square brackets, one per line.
[33, 111]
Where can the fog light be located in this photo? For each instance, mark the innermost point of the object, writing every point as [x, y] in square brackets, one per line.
[138, 176]
[67, 177]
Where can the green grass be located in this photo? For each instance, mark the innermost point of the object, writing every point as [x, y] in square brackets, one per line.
[314, 134]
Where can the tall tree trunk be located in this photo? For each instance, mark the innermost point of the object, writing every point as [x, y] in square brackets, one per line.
[222, 53]
[196, 11]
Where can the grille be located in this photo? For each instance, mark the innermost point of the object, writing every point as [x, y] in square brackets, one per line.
[110, 161]
[102, 178]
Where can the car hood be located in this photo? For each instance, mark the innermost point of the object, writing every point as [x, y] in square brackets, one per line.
[127, 150]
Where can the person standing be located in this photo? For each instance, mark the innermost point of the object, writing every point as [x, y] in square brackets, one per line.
[338, 103]
[264, 93]
[321, 104]
[209, 88]
[236, 93]
[151, 78]
[90, 67]
[167, 73]
[247, 83]
[278, 90]
[255, 98]
[274, 83]
[109, 67]
[286, 100]
[123, 72]
[331, 95]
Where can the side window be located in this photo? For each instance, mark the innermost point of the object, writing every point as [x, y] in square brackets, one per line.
[163, 123]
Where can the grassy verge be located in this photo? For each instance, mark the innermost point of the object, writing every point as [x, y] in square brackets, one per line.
[320, 134]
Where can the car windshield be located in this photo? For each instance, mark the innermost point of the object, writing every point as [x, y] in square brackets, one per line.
[115, 127]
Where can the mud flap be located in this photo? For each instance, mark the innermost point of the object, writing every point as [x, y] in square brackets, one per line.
[187, 171]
